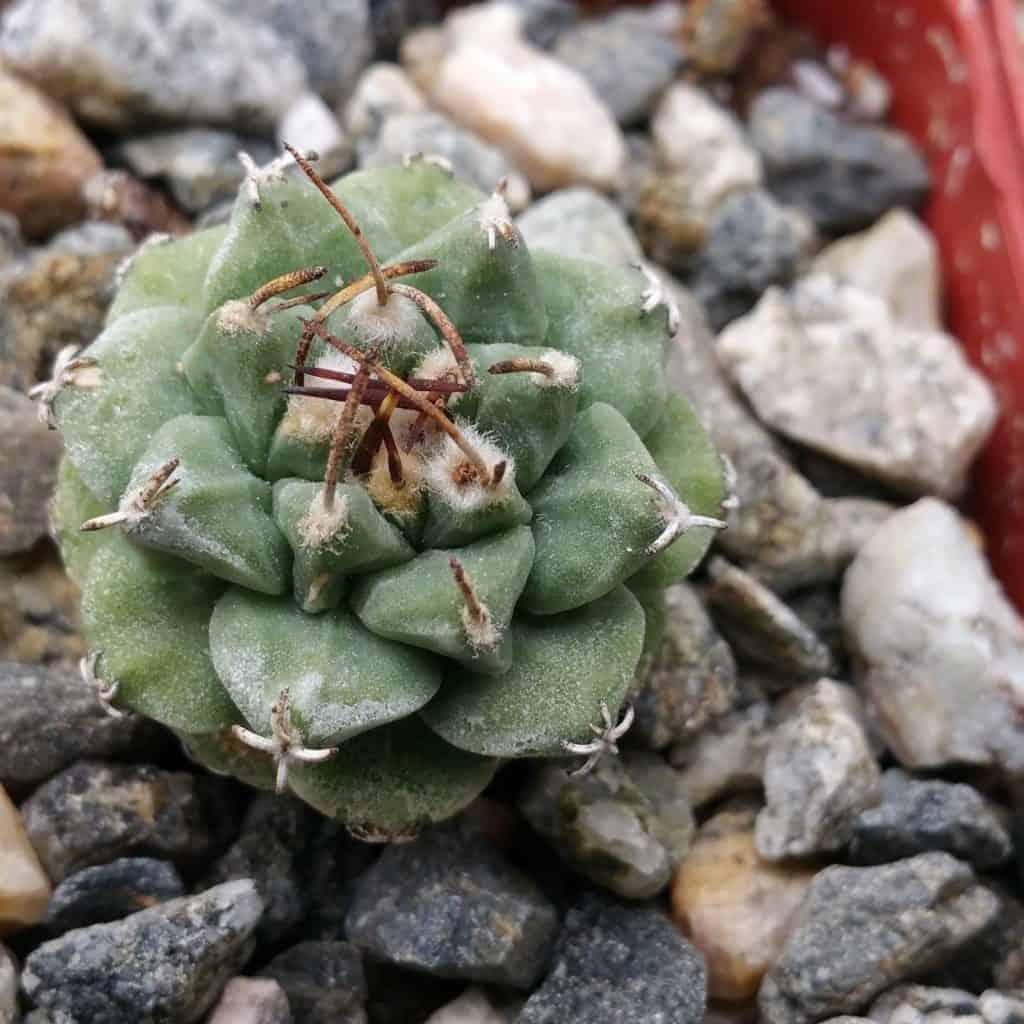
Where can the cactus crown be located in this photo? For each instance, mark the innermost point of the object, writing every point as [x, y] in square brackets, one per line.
[363, 502]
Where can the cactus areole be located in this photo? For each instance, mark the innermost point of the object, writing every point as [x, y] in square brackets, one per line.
[365, 498]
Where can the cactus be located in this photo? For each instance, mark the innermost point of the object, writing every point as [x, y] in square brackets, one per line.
[364, 498]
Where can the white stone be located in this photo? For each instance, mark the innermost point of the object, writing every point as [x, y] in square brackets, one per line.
[694, 135]
[309, 124]
[939, 649]
[478, 69]
[472, 1007]
[8, 987]
[826, 366]
[382, 90]
[895, 259]
[252, 1001]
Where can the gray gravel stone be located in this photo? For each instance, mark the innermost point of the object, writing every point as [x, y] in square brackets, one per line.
[690, 680]
[920, 1004]
[939, 650]
[602, 825]
[762, 628]
[391, 20]
[719, 32]
[332, 38]
[271, 846]
[819, 774]
[431, 133]
[802, 358]
[200, 166]
[324, 982]
[629, 57]
[93, 813]
[26, 483]
[168, 963]
[8, 986]
[844, 174]
[782, 531]
[666, 792]
[582, 223]
[861, 930]
[252, 1001]
[917, 815]
[544, 21]
[51, 718]
[119, 65]
[618, 964]
[111, 891]
[447, 903]
[725, 757]
[751, 243]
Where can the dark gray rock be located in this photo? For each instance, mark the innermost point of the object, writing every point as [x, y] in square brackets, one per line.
[762, 628]
[94, 813]
[274, 835]
[330, 867]
[844, 174]
[111, 891]
[200, 166]
[332, 38]
[398, 996]
[51, 718]
[918, 815]
[148, 62]
[751, 243]
[544, 21]
[629, 58]
[601, 825]
[617, 964]
[861, 930]
[447, 903]
[324, 982]
[29, 454]
[168, 963]
[690, 680]
[391, 20]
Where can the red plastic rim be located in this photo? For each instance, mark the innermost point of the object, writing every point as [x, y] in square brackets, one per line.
[955, 70]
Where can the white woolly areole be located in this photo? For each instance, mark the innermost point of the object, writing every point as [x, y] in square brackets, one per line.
[496, 219]
[447, 463]
[321, 525]
[482, 635]
[566, 370]
[438, 364]
[238, 317]
[312, 420]
[398, 499]
[396, 321]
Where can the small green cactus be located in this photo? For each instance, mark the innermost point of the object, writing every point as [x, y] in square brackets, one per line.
[367, 542]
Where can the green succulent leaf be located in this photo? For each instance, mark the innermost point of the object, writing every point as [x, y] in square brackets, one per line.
[132, 386]
[73, 504]
[592, 517]
[531, 414]
[595, 312]
[218, 514]
[419, 603]
[223, 754]
[147, 615]
[689, 464]
[564, 667]
[393, 781]
[342, 679]
[329, 547]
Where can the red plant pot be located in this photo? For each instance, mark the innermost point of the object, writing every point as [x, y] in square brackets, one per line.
[955, 68]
